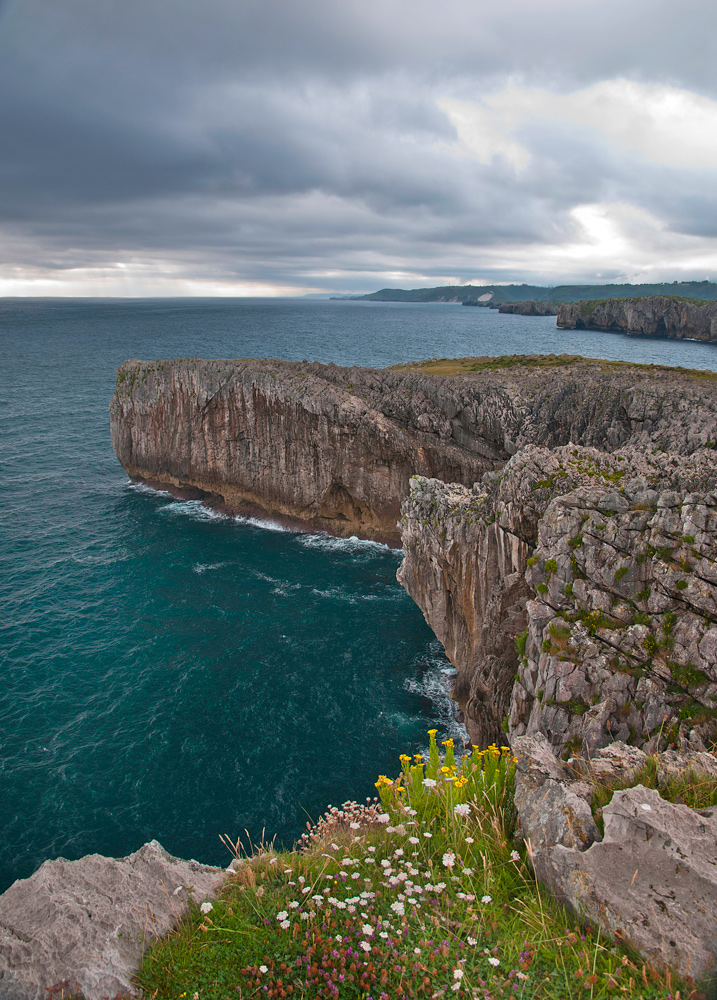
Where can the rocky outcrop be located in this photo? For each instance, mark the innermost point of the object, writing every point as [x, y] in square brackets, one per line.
[532, 307]
[651, 879]
[336, 447]
[88, 921]
[651, 316]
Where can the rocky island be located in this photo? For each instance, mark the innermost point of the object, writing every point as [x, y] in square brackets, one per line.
[557, 515]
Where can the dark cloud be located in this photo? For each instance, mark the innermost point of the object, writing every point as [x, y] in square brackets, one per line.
[308, 144]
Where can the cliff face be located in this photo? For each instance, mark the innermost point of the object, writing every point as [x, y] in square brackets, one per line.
[558, 535]
[532, 307]
[652, 316]
[576, 592]
[336, 447]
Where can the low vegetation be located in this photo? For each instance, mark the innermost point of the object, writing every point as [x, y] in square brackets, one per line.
[423, 893]
[464, 366]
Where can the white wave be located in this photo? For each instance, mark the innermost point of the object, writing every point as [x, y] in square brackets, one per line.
[331, 543]
[266, 523]
[148, 490]
[435, 684]
[193, 508]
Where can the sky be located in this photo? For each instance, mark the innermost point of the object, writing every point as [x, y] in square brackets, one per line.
[291, 147]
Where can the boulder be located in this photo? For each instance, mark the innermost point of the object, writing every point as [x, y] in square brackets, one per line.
[652, 881]
[89, 921]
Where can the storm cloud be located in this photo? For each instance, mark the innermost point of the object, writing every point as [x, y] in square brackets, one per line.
[274, 147]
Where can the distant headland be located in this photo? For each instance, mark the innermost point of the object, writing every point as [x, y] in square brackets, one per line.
[489, 294]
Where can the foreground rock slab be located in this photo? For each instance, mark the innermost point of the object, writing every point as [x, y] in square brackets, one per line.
[89, 921]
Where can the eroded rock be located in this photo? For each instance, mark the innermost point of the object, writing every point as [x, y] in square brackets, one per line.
[88, 921]
[652, 881]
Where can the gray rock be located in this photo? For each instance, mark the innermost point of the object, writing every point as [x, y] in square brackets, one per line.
[652, 880]
[552, 808]
[88, 921]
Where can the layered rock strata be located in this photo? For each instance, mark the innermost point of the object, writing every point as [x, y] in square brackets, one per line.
[336, 447]
[650, 316]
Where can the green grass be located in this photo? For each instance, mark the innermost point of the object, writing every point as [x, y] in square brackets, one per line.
[423, 895]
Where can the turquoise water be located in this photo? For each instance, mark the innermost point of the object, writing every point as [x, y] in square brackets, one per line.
[170, 673]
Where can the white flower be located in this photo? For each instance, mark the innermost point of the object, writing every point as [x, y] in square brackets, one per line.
[458, 973]
[282, 915]
[293, 905]
[462, 809]
[429, 783]
[449, 859]
[206, 907]
[429, 835]
[364, 945]
[398, 853]
[486, 899]
[335, 847]
[285, 925]
[412, 812]
[367, 929]
[339, 938]
[301, 879]
[521, 975]
[456, 986]
[398, 909]
[287, 871]
[356, 875]
[305, 916]
[413, 840]
[384, 818]
[372, 849]
[472, 941]
[440, 886]
[273, 861]
[494, 961]
[354, 826]
[470, 840]
[263, 968]
[383, 934]
[514, 856]
[467, 871]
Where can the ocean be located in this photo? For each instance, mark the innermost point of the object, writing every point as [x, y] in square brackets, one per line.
[174, 674]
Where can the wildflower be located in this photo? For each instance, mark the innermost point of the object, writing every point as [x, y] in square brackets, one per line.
[398, 853]
[429, 835]
[447, 743]
[468, 871]
[449, 859]
[486, 899]
[354, 826]
[514, 856]
[372, 849]
[429, 783]
[456, 986]
[432, 732]
[263, 968]
[416, 951]
[273, 861]
[494, 961]
[282, 915]
[398, 909]
[383, 934]
[412, 812]
[305, 916]
[293, 905]
[287, 871]
[458, 973]
[472, 941]
[462, 809]
[413, 840]
[367, 929]
[470, 840]
[206, 907]
[285, 925]
[384, 818]
[364, 945]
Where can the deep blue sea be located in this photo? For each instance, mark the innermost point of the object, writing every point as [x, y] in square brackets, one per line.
[170, 673]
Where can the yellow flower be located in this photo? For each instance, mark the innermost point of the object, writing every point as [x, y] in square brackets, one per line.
[447, 743]
[404, 757]
[432, 732]
[418, 757]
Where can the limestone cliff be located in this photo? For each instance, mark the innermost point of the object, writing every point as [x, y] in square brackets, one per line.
[559, 536]
[651, 316]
